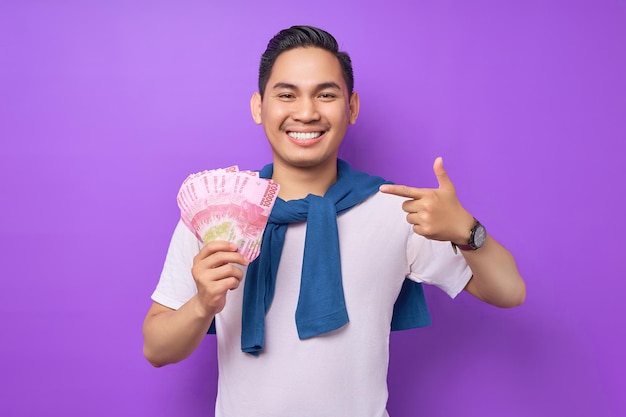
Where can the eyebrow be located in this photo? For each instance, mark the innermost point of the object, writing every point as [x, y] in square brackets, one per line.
[319, 87]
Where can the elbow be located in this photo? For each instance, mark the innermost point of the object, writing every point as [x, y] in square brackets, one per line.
[516, 298]
[521, 298]
[151, 350]
[151, 358]
[155, 363]
[514, 302]
[155, 356]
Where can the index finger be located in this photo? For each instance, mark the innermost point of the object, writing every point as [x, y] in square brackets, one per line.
[402, 191]
[216, 246]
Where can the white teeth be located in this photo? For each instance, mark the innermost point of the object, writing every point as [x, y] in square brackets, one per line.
[304, 135]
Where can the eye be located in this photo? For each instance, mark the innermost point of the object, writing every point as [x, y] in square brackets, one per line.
[286, 96]
[327, 96]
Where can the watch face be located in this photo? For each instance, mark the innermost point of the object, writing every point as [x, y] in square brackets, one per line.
[480, 235]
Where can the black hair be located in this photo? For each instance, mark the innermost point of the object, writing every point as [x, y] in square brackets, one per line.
[303, 36]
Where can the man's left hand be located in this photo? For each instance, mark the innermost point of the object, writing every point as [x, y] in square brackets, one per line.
[435, 213]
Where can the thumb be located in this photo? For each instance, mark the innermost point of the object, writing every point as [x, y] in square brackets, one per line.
[442, 176]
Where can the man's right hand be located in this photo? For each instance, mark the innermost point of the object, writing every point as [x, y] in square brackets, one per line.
[172, 335]
[215, 273]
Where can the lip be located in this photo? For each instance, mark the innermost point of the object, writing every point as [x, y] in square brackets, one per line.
[305, 142]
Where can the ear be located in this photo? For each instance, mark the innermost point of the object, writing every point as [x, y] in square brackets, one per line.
[355, 105]
[255, 107]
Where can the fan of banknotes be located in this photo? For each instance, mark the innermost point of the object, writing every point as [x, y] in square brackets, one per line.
[228, 204]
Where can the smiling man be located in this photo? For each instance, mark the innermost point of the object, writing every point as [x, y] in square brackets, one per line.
[304, 329]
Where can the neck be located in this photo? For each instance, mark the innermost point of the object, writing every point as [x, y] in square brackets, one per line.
[298, 182]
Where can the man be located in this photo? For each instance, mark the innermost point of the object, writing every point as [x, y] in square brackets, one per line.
[304, 329]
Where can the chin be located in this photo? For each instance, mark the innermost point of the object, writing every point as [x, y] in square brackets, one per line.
[310, 163]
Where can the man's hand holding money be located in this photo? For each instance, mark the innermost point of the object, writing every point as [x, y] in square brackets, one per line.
[215, 272]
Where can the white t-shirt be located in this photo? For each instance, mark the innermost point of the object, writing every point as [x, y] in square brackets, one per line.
[342, 373]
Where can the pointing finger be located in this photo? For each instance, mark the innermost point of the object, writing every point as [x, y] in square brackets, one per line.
[402, 191]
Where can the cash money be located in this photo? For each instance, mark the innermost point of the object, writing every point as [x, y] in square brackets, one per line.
[228, 204]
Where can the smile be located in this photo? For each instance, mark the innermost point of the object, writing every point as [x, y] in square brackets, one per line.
[304, 135]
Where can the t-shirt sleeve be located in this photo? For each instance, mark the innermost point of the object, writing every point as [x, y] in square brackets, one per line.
[434, 262]
[176, 284]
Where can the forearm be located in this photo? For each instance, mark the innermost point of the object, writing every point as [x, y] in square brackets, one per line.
[496, 279]
[172, 335]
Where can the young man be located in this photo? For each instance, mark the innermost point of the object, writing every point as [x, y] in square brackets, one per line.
[304, 329]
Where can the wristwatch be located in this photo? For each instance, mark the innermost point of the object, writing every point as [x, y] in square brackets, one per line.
[478, 236]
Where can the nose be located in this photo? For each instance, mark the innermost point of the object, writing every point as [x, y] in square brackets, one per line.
[305, 110]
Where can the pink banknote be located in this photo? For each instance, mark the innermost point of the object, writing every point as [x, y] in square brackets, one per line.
[228, 204]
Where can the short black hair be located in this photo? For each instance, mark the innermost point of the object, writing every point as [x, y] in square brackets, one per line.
[303, 36]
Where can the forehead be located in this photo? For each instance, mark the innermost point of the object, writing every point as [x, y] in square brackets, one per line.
[308, 66]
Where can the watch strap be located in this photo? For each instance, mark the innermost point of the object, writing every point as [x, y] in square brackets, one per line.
[469, 246]
[462, 247]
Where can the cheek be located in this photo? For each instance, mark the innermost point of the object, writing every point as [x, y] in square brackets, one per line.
[274, 115]
[342, 117]
[336, 114]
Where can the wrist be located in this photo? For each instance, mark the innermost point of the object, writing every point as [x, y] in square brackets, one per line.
[201, 311]
[464, 229]
[475, 240]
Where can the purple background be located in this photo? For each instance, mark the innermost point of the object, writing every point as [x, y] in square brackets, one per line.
[105, 107]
